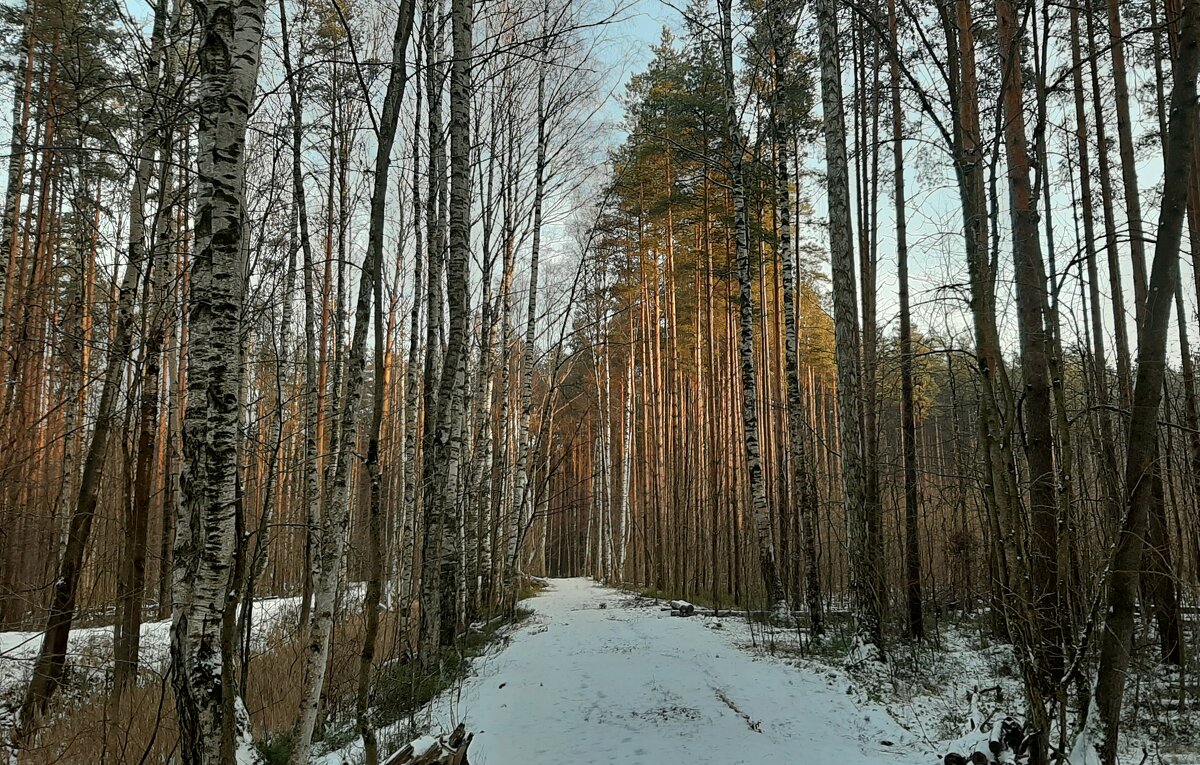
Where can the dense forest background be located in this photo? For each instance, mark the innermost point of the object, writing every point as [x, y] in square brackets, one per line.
[865, 317]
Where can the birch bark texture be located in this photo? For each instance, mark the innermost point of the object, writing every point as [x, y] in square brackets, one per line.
[760, 513]
[337, 512]
[782, 44]
[311, 486]
[231, 34]
[521, 502]
[443, 458]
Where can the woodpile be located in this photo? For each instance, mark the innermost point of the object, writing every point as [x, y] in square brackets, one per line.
[427, 750]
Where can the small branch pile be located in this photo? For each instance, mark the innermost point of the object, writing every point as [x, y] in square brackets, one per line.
[428, 750]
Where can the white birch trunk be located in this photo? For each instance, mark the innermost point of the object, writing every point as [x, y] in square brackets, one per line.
[759, 511]
[626, 473]
[521, 504]
[441, 571]
[337, 510]
[230, 43]
[609, 554]
[412, 391]
[432, 547]
[805, 502]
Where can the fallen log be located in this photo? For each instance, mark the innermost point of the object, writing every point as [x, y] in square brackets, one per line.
[429, 750]
[682, 608]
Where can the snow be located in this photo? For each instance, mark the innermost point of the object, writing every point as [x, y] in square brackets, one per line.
[1084, 751]
[629, 683]
[861, 653]
[600, 675]
[246, 753]
[89, 650]
[423, 744]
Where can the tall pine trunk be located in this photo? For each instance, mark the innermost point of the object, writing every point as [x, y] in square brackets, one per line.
[51, 660]
[1044, 636]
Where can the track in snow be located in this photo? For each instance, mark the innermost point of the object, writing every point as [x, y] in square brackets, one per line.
[582, 684]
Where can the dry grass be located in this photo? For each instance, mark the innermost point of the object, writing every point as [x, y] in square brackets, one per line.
[142, 729]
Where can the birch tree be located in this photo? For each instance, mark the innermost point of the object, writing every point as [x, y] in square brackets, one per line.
[440, 568]
[336, 513]
[521, 502]
[374, 590]
[768, 565]
[783, 44]
[212, 720]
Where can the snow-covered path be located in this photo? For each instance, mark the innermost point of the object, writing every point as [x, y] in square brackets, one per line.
[583, 684]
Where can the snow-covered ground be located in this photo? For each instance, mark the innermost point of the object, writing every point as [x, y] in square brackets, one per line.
[628, 683]
[599, 675]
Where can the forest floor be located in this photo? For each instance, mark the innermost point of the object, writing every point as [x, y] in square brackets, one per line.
[602, 676]
[598, 675]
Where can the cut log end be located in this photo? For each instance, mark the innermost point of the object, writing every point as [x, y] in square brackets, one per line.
[682, 608]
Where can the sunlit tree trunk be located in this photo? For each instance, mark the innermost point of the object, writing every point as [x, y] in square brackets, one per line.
[49, 665]
[132, 580]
